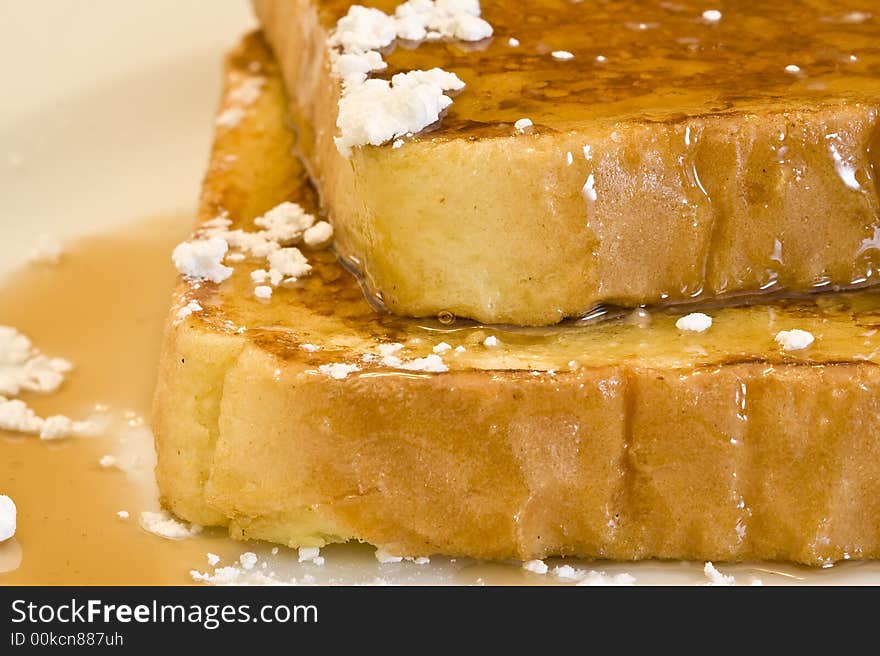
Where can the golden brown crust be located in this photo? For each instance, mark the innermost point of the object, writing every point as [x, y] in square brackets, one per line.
[651, 444]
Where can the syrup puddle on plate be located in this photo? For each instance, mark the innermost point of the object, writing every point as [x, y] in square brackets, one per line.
[103, 307]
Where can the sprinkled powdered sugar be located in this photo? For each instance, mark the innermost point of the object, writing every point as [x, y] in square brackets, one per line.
[8, 514]
[221, 576]
[432, 364]
[794, 340]
[236, 575]
[245, 92]
[290, 263]
[23, 368]
[363, 30]
[536, 566]
[202, 259]
[310, 555]
[715, 577]
[284, 224]
[279, 230]
[373, 111]
[579, 576]
[247, 570]
[229, 118]
[418, 20]
[248, 560]
[696, 322]
[377, 111]
[597, 579]
[164, 525]
[591, 577]
[188, 309]
[388, 356]
[318, 235]
[385, 558]
[388, 353]
[338, 371]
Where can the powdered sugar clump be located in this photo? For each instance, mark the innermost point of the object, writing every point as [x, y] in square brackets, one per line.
[696, 322]
[164, 525]
[377, 111]
[536, 566]
[8, 514]
[715, 577]
[418, 20]
[318, 235]
[432, 364]
[364, 29]
[280, 230]
[290, 263]
[189, 309]
[245, 91]
[373, 111]
[23, 368]
[202, 259]
[794, 340]
[338, 371]
[388, 355]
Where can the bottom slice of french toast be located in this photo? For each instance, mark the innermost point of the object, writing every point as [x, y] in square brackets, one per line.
[310, 418]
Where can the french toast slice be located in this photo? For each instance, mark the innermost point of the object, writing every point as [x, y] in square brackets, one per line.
[624, 438]
[675, 157]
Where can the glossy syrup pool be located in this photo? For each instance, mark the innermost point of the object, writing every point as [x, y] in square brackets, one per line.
[103, 307]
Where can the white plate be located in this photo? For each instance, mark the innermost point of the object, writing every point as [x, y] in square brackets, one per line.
[106, 111]
[107, 117]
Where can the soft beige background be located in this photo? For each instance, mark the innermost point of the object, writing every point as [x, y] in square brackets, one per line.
[106, 110]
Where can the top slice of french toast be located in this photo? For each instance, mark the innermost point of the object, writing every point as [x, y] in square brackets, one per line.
[671, 153]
